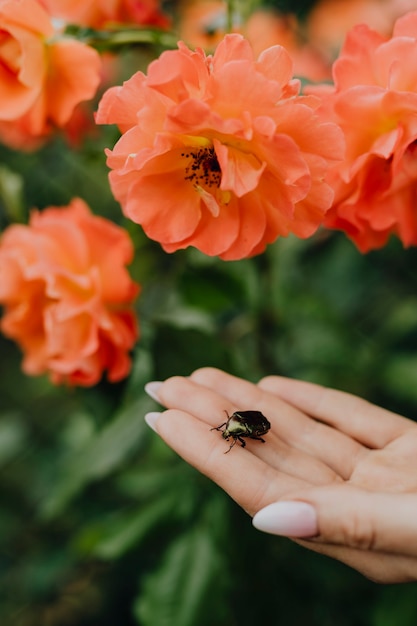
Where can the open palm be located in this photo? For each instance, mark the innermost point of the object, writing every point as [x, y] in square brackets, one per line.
[325, 447]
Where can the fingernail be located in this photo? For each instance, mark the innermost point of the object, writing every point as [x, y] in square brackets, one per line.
[152, 389]
[151, 419]
[290, 519]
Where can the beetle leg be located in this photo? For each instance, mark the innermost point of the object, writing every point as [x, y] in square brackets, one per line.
[242, 442]
[232, 444]
[258, 439]
[218, 427]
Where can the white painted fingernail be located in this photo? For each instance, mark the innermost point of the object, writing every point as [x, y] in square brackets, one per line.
[151, 419]
[151, 389]
[290, 519]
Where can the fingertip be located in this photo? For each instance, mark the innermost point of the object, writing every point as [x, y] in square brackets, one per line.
[152, 389]
[288, 519]
[273, 382]
[151, 419]
[206, 374]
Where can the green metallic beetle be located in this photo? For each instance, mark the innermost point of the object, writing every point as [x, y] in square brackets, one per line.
[251, 424]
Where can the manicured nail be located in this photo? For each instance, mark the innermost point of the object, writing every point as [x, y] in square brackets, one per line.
[151, 419]
[290, 519]
[152, 389]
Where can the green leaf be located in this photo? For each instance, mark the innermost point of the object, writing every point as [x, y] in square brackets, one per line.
[144, 481]
[401, 321]
[175, 593]
[12, 437]
[400, 376]
[112, 446]
[132, 528]
[188, 350]
[397, 606]
[11, 194]
[108, 449]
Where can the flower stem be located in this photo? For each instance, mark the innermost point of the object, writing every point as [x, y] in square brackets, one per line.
[121, 37]
[230, 15]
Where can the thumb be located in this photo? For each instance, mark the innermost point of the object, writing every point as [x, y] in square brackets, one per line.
[346, 516]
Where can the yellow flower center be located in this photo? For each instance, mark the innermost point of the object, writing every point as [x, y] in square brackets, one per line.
[202, 169]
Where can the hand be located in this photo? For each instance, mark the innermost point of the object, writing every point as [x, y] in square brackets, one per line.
[336, 474]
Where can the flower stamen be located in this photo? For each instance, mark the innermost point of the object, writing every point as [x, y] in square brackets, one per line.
[203, 169]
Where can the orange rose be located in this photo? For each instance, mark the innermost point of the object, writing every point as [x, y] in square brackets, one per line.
[67, 295]
[42, 79]
[329, 21]
[220, 152]
[374, 100]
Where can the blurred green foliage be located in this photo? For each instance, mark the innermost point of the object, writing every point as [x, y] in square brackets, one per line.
[102, 524]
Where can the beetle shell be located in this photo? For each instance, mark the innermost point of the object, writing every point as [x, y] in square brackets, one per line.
[250, 424]
[246, 424]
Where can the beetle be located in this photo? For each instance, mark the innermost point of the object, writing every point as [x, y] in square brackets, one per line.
[251, 424]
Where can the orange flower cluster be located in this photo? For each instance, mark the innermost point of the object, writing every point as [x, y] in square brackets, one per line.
[42, 78]
[374, 101]
[67, 295]
[220, 152]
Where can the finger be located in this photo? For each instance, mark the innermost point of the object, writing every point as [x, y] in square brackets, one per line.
[212, 407]
[349, 517]
[377, 566]
[370, 425]
[245, 477]
[294, 462]
[369, 532]
[205, 403]
[337, 450]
